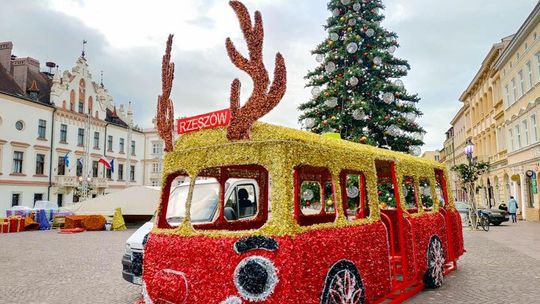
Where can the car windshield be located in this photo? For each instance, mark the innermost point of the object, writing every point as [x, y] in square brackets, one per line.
[203, 203]
[461, 205]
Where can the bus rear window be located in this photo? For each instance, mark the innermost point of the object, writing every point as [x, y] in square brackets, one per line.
[409, 192]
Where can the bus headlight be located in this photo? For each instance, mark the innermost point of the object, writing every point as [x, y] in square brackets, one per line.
[255, 278]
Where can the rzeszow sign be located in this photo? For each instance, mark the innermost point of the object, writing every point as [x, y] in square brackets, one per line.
[204, 121]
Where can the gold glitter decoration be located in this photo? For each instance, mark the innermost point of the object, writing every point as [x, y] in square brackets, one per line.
[262, 99]
[279, 150]
[165, 109]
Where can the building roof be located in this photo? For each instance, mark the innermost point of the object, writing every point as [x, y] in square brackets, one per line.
[43, 82]
[8, 84]
[529, 24]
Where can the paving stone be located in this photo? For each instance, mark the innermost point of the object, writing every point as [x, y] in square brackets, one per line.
[41, 267]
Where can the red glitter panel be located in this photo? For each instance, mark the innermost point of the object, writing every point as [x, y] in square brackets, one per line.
[202, 269]
[423, 228]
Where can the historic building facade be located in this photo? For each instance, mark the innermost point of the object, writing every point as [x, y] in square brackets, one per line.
[55, 128]
[519, 66]
[499, 115]
[486, 130]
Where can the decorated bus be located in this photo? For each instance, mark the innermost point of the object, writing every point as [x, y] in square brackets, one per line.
[252, 212]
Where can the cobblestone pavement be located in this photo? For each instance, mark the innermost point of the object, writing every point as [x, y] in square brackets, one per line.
[47, 267]
[501, 266]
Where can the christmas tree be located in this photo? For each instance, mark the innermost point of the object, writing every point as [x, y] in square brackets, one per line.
[357, 89]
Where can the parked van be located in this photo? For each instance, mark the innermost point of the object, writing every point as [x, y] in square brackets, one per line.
[341, 223]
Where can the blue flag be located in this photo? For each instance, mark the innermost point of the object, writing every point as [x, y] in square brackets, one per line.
[66, 159]
[112, 165]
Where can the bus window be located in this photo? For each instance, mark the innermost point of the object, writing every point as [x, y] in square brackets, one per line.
[409, 192]
[310, 200]
[354, 195]
[439, 187]
[228, 197]
[425, 193]
[242, 200]
[314, 196]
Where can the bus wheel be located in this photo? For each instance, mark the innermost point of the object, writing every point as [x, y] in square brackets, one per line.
[433, 277]
[343, 284]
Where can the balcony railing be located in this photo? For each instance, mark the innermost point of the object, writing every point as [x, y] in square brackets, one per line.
[99, 182]
[66, 181]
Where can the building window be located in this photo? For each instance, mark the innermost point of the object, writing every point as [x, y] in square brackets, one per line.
[521, 83]
[157, 148]
[525, 132]
[109, 143]
[538, 64]
[80, 137]
[534, 129]
[156, 168]
[511, 140]
[514, 90]
[95, 165]
[518, 137]
[120, 171]
[132, 147]
[121, 145]
[19, 125]
[81, 106]
[530, 75]
[96, 140]
[38, 197]
[437, 158]
[63, 133]
[507, 95]
[15, 199]
[61, 169]
[40, 164]
[42, 128]
[18, 162]
[155, 183]
[79, 167]
[132, 173]
[108, 173]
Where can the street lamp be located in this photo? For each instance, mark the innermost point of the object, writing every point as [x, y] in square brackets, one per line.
[469, 149]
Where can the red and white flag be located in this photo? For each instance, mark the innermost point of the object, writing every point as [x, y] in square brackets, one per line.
[105, 162]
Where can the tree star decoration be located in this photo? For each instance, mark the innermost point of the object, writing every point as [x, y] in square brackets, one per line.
[262, 99]
[165, 109]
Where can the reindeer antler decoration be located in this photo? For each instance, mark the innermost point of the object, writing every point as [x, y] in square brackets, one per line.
[165, 110]
[262, 99]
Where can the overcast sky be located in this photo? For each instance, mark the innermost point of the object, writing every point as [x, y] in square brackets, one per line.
[444, 42]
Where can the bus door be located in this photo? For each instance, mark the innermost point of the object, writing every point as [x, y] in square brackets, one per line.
[442, 196]
[392, 217]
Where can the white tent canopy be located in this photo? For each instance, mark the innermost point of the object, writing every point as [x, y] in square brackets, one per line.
[137, 200]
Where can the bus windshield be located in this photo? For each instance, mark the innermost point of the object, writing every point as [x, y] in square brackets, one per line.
[203, 203]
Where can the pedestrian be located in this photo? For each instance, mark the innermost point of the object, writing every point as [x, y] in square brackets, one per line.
[512, 208]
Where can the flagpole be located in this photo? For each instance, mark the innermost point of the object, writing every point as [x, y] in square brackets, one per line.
[86, 161]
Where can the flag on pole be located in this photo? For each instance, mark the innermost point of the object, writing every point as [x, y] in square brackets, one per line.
[66, 160]
[112, 165]
[105, 162]
[80, 160]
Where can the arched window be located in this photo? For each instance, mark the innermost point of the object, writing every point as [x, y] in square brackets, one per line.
[82, 95]
[64, 104]
[72, 100]
[90, 105]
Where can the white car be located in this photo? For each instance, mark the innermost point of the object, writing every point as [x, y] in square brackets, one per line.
[203, 209]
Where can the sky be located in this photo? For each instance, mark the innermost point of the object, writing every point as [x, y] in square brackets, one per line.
[444, 42]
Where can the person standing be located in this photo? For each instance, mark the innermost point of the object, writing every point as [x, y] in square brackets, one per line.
[512, 208]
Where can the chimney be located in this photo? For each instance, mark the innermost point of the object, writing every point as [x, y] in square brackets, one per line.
[21, 66]
[5, 55]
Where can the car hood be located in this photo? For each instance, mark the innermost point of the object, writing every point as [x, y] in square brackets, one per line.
[495, 211]
[135, 241]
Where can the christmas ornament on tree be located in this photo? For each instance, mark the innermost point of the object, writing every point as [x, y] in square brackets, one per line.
[361, 78]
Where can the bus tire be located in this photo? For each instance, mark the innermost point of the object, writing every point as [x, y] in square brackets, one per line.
[433, 278]
[343, 284]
